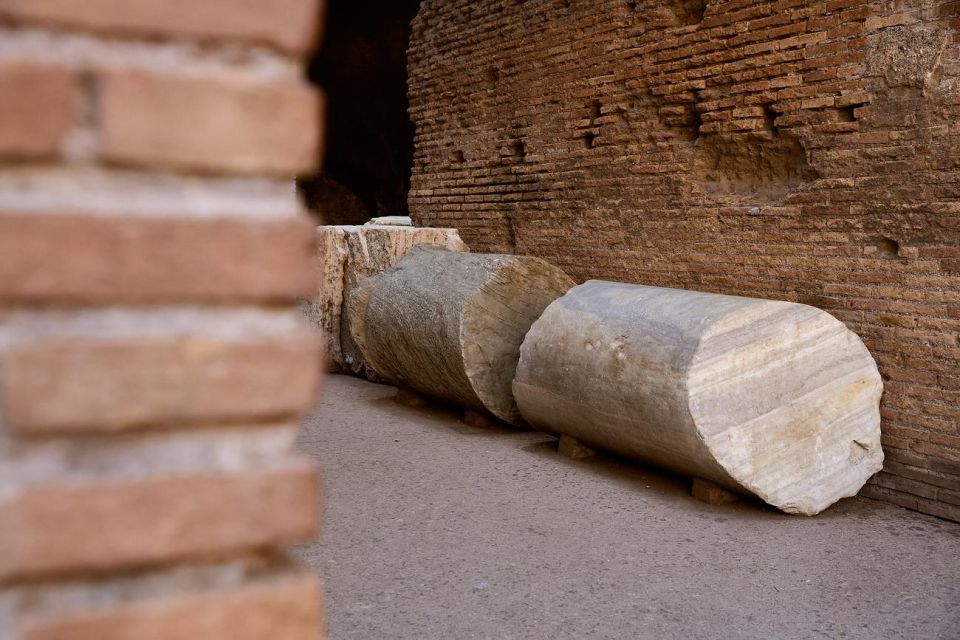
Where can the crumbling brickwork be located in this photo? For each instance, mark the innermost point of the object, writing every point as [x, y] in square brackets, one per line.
[799, 150]
[153, 365]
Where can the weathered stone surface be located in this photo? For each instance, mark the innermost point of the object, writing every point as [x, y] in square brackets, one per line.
[449, 325]
[353, 327]
[772, 398]
[347, 254]
[393, 221]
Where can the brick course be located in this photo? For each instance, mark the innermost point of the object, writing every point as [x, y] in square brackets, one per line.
[282, 605]
[91, 259]
[111, 385]
[76, 523]
[803, 151]
[287, 24]
[182, 123]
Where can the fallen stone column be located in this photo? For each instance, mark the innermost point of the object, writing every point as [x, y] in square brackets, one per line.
[346, 255]
[771, 398]
[449, 325]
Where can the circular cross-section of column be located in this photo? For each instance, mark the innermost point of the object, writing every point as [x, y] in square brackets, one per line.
[448, 325]
[772, 398]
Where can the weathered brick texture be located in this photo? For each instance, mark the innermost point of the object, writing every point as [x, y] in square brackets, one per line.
[153, 362]
[37, 104]
[90, 259]
[280, 606]
[177, 122]
[111, 385]
[75, 523]
[288, 24]
[797, 150]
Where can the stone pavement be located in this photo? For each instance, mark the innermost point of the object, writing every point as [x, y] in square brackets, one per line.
[435, 529]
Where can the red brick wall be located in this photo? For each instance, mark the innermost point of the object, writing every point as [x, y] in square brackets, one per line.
[153, 365]
[798, 150]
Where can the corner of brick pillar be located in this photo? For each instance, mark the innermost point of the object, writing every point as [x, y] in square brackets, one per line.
[153, 363]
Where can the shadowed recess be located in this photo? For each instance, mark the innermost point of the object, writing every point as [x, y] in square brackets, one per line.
[369, 147]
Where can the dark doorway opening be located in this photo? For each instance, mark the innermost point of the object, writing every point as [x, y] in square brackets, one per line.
[361, 66]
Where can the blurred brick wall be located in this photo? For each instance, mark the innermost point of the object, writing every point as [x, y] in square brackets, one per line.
[804, 150]
[153, 365]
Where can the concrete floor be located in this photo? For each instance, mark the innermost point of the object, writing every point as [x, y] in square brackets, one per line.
[438, 530]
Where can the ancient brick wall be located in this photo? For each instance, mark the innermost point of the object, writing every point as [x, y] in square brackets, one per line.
[798, 150]
[152, 361]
